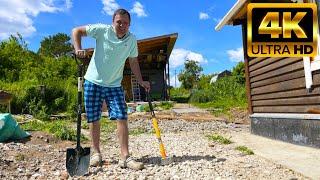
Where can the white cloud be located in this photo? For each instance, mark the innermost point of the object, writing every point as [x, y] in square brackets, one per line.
[16, 15]
[110, 6]
[203, 16]
[179, 56]
[235, 55]
[138, 9]
[174, 81]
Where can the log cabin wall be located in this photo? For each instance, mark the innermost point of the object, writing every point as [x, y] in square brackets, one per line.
[277, 85]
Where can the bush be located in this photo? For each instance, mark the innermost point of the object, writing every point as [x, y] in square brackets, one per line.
[224, 93]
[179, 95]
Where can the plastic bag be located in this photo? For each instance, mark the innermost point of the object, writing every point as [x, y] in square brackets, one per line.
[10, 129]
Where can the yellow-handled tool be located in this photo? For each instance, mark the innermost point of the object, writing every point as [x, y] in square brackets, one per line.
[164, 159]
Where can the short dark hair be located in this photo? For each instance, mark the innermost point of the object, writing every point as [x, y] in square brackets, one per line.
[121, 12]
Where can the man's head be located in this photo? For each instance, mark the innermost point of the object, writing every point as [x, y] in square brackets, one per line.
[121, 22]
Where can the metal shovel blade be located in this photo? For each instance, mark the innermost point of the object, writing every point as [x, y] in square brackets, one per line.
[78, 161]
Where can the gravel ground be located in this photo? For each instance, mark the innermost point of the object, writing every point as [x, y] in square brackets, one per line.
[195, 156]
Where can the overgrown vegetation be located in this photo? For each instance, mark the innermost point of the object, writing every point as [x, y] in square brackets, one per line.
[61, 129]
[220, 96]
[245, 150]
[42, 83]
[220, 139]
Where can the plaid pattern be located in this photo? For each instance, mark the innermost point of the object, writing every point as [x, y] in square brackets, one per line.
[94, 96]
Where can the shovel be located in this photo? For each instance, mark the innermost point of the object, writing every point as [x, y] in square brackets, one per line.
[78, 159]
[165, 160]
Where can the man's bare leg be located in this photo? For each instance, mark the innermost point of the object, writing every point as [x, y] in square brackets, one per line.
[122, 126]
[95, 136]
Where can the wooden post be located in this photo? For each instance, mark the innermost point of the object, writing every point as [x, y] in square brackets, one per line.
[246, 65]
[165, 82]
[168, 77]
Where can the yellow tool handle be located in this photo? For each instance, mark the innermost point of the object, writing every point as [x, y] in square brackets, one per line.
[158, 135]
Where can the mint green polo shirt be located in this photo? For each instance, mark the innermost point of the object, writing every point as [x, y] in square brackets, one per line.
[108, 60]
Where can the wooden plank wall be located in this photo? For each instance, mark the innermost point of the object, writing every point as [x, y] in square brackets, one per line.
[277, 85]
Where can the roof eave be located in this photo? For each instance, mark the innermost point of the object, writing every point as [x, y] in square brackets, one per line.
[227, 19]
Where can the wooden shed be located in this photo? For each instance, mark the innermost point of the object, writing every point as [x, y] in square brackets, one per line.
[153, 59]
[283, 93]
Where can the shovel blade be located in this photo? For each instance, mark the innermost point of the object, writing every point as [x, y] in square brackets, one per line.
[78, 161]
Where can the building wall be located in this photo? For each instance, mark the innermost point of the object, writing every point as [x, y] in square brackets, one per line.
[277, 85]
[155, 77]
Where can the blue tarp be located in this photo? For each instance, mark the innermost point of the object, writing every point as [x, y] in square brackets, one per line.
[10, 129]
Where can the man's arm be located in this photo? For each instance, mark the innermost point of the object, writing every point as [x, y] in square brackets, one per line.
[77, 33]
[135, 68]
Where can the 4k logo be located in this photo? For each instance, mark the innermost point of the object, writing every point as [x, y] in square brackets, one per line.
[282, 29]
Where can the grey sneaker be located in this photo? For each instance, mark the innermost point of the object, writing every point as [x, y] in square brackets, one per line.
[96, 159]
[131, 163]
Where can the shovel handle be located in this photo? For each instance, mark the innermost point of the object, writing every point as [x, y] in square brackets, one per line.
[79, 110]
[150, 105]
[156, 128]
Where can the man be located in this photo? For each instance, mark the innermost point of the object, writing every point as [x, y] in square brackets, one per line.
[114, 44]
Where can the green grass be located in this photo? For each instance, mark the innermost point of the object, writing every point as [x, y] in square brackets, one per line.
[20, 157]
[220, 139]
[245, 150]
[108, 126]
[166, 105]
[137, 131]
[59, 128]
[84, 125]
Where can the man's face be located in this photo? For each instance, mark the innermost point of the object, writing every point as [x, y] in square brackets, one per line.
[121, 24]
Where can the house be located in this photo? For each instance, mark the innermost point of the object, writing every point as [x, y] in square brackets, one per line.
[153, 59]
[283, 93]
[220, 75]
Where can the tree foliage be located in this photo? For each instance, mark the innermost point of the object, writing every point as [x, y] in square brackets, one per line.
[55, 46]
[239, 72]
[24, 72]
[190, 75]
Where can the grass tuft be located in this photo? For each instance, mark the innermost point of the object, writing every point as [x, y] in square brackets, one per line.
[220, 139]
[245, 150]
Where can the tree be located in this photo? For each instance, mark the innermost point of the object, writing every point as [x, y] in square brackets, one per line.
[55, 46]
[239, 72]
[190, 75]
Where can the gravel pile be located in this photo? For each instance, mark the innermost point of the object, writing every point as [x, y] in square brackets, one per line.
[195, 156]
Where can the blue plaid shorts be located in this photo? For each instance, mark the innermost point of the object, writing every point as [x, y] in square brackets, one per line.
[93, 99]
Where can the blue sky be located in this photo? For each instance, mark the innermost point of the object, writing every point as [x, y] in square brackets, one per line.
[193, 20]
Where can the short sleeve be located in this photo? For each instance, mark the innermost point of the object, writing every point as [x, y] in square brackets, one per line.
[134, 49]
[95, 30]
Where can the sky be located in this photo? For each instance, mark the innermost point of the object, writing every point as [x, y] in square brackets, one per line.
[193, 20]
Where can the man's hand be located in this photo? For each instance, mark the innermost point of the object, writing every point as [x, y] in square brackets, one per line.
[145, 85]
[81, 53]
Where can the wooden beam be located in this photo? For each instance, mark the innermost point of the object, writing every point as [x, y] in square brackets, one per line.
[285, 86]
[263, 63]
[287, 94]
[312, 100]
[283, 70]
[285, 77]
[246, 65]
[276, 65]
[285, 109]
